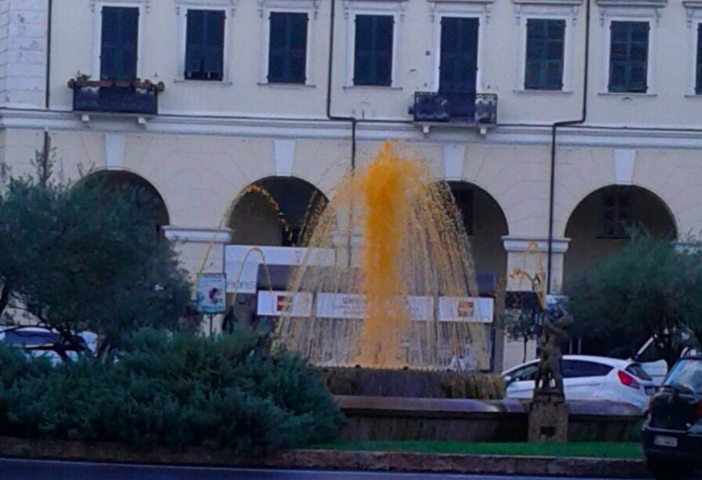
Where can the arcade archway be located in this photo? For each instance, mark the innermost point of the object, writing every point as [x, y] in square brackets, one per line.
[602, 223]
[486, 224]
[600, 226]
[148, 199]
[275, 212]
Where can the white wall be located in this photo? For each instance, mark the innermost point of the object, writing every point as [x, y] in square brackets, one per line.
[23, 58]
[74, 50]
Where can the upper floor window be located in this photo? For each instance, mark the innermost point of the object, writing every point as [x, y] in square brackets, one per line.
[628, 61]
[698, 87]
[544, 54]
[204, 49]
[287, 56]
[119, 44]
[616, 219]
[373, 50]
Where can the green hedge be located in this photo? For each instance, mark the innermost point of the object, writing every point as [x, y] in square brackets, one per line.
[172, 389]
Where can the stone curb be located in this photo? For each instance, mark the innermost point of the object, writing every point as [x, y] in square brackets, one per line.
[328, 460]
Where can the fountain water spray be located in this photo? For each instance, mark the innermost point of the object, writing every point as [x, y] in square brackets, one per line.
[401, 259]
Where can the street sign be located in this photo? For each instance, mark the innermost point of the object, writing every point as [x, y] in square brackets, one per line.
[211, 293]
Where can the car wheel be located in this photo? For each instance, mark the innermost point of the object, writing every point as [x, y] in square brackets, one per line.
[670, 469]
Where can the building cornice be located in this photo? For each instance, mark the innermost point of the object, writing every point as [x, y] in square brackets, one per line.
[145, 3]
[652, 8]
[632, 3]
[693, 9]
[549, 3]
[593, 136]
[181, 5]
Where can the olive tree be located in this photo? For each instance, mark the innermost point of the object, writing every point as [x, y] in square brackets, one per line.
[85, 257]
[647, 289]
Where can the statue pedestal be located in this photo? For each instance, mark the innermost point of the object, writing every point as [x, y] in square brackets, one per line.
[548, 418]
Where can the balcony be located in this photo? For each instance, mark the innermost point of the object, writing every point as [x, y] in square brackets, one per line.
[478, 110]
[106, 96]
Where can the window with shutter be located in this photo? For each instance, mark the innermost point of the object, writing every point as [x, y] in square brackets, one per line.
[544, 54]
[373, 50]
[287, 57]
[458, 67]
[698, 87]
[118, 54]
[204, 51]
[628, 63]
[616, 218]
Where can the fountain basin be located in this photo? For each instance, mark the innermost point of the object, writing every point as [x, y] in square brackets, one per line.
[371, 382]
[465, 420]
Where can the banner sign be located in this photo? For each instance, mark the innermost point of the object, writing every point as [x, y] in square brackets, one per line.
[275, 304]
[241, 262]
[211, 297]
[466, 309]
[331, 305]
[421, 308]
[353, 307]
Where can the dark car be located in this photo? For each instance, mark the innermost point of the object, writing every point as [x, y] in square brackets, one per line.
[672, 434]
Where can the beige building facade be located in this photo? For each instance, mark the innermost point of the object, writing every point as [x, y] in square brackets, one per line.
[635, 157]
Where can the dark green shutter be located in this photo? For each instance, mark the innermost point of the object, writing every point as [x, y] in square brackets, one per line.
[204, 56]
[287, 57]
[459, 55]
[373, 50]
[544, 54]
[628, 64]
[120, 36]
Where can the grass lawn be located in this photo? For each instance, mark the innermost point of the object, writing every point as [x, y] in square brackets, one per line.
[600, 450]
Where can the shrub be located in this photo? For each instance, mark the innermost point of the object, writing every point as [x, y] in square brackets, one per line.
[176, 390]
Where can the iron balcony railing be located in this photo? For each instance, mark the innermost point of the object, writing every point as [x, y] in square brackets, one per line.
[135, 97]
[468, 108]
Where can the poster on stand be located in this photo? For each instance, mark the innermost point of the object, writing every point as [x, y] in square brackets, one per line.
[211, 297]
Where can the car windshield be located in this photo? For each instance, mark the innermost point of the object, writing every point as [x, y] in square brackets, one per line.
[30, 339]
[686, 376]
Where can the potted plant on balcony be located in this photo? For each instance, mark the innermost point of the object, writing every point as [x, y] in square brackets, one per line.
[84, 81]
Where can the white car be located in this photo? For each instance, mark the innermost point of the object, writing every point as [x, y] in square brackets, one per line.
[43, 342]
[589, 378]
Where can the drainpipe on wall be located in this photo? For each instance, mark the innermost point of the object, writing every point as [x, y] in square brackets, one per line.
[49, 30]
[352, 120]
[554, 131]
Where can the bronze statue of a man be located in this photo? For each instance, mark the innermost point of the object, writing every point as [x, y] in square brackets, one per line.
[549, 377]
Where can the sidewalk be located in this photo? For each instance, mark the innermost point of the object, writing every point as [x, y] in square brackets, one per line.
[329, 460]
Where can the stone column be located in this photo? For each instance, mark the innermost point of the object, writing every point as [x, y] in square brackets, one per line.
[530, 255]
